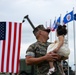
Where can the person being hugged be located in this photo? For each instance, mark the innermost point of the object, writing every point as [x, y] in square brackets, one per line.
[60, 46]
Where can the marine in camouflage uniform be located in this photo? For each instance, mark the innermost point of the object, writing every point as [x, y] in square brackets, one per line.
[39, 49]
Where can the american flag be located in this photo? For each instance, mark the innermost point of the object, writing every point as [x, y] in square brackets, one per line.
[10, 39]
[53, 26]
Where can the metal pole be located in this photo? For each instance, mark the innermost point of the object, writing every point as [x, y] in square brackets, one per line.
[46, 24]
[26, 17]
[50, 32]
[74, 42]
[68, 46]
[55, 29]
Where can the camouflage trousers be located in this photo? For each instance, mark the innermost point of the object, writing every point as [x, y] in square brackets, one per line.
[57, 72]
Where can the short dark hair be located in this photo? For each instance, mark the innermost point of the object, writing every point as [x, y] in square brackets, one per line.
[61, 30]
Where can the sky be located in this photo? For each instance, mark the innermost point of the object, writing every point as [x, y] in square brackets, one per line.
[40, 12]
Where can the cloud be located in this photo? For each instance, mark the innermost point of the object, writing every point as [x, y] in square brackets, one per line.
[40, 12]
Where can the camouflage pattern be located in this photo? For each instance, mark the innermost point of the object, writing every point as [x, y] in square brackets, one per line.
[40, 49]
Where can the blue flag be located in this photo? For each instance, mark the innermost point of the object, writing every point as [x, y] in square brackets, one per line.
[59, 20]
[68, 17]
[74, 16]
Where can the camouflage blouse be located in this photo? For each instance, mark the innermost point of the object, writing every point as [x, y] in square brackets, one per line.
[36, 50]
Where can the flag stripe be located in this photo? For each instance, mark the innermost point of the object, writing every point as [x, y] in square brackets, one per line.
[14, 45]
[0, 54]
[11, 49]
[16, 51]
[5, 56]
[3, 53]
[9, 42]
[19, 41]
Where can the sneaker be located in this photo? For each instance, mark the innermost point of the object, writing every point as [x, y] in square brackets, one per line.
[51, 71]
[63, 73]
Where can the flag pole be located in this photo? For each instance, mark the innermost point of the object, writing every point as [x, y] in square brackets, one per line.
[26, 17]
[61, 24]
[50, 32]
[60, 19]
[74, 42]
[55, 30]
[67, 44]
[46, 24]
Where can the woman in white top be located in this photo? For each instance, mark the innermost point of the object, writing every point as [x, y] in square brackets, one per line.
[60, 46]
